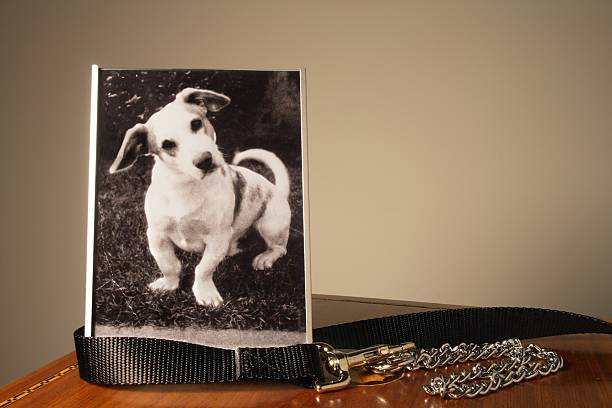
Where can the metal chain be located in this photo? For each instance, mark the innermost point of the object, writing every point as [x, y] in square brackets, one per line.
[523, 363]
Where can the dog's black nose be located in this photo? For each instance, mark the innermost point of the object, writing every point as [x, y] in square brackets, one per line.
[204, 161]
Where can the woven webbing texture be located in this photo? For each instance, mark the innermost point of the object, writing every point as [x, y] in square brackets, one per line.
[134, 360]
[477, 325]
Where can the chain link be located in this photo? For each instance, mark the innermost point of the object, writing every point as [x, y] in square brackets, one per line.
[522, 363]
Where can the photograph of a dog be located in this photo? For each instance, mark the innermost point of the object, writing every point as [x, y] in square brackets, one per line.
[199, 207]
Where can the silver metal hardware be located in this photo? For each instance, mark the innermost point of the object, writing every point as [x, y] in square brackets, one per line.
[337, 363]
[522, 363]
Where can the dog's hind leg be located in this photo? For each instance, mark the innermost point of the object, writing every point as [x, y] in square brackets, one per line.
[163, 252]
[234, 248]
[273, 226]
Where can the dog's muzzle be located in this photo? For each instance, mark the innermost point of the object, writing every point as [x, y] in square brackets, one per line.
[204, 162]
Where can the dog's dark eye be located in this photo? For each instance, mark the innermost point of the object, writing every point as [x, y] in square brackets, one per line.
[196, 124]
[168, 145]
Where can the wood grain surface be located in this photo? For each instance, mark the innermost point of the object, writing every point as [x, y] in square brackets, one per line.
[586, 380]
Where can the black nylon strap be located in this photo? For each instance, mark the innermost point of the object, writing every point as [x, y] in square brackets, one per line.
[134, 360]
[470, 325]
[139, 360]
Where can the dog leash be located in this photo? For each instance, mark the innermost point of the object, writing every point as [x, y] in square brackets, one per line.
[402, 343]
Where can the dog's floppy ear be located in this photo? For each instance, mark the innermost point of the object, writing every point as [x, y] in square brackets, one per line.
[135, 143]
[213, 101]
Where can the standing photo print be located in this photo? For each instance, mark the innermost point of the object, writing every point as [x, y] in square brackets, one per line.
[197, 214]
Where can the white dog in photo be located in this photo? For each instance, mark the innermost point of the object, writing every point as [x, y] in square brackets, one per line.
[197, 201]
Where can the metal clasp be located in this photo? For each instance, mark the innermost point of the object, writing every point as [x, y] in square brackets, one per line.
[337, 363]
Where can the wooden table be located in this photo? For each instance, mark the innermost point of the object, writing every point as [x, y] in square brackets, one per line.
[585, 382]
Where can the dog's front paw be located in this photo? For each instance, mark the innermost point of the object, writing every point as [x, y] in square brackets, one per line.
[164, 284]
[206, 293]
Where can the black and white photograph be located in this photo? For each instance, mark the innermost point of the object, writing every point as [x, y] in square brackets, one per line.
[199, 207]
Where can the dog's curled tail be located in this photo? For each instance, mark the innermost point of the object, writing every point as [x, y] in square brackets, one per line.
[281, 177]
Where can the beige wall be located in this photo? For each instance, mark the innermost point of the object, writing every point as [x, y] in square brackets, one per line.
[460, 152]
